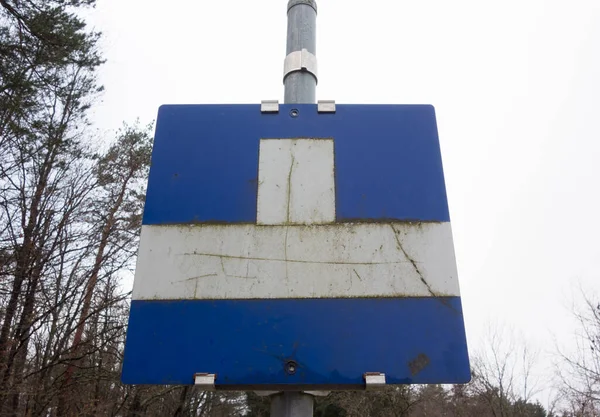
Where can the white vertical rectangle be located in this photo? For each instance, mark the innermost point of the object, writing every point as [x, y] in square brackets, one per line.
[296, 182]
[274, 164]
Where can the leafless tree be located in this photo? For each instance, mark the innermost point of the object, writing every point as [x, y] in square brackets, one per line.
[504, 372]
[578, 369]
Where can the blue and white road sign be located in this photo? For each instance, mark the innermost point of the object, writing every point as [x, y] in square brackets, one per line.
[322, 239]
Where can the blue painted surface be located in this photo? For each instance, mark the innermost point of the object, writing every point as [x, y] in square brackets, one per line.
[205, 161]
[334, 341]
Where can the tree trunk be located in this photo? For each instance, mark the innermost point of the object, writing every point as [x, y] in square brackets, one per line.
[64, 407]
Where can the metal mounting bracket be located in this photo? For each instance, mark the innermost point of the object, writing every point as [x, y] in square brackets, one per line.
[300, 61]
[326, 106]
[374, 380]
[269, 106]
[205, 381]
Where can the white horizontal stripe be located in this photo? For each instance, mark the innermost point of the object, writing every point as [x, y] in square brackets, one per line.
[296, 182]
[317, 261]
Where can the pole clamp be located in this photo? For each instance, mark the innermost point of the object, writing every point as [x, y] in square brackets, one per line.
[300, 61]
[311, 3]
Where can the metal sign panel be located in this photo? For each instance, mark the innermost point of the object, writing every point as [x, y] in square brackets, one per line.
[296, 249]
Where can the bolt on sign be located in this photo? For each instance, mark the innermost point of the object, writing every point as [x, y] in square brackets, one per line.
[296, 249]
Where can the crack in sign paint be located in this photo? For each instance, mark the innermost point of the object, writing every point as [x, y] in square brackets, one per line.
[233, 276]
[214, 275]
[285, 252]
[198, 277]
[411, 260]
[288, 220]
[359, 278]
[289, 188]
[216, 255]
[247, 268]
[423, 280]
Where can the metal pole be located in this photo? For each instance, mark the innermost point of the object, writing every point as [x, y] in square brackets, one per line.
[300, 73]
[292, 404]
[300, 83]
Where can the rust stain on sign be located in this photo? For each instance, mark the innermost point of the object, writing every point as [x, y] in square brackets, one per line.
[418, 364]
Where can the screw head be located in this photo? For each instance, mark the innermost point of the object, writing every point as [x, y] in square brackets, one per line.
[291, 367]
[294, 112]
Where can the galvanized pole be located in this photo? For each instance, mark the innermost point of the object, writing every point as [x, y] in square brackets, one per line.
[292, 404]
[300, 67]
[300, 83]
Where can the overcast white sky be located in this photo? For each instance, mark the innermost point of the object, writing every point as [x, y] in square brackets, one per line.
[515, 83]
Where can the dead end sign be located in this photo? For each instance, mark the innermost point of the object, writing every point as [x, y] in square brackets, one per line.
[296, 249]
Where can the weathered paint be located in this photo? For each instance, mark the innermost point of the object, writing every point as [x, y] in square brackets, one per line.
[319, 239]
[319, 261]
[248, 343]
[296, 182]
[205, 161]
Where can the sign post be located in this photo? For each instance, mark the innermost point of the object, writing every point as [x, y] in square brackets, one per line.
[296, 248]
[300, 82]
[300, 65]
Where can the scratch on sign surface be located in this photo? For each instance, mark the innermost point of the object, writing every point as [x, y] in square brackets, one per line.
[196, 278]
[300, 261]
